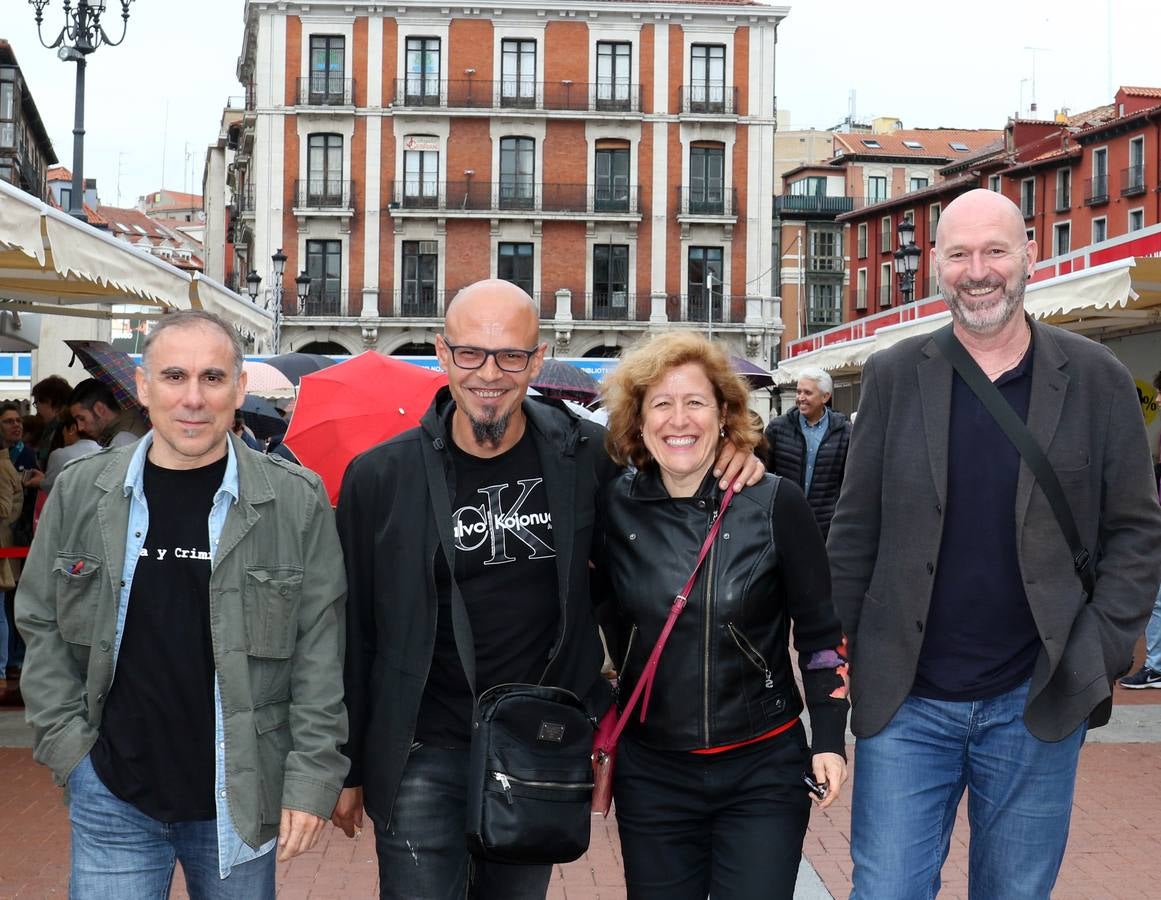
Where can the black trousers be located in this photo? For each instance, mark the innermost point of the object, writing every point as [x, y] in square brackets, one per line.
[729, 825]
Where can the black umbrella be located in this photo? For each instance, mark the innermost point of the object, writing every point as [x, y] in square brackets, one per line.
[295, 365]
[262, 417]
[566, 382]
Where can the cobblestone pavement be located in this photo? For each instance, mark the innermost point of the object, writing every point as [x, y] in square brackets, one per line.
[1113, 853]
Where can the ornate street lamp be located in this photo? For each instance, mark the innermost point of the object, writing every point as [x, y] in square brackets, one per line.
[81, 35]
[302, 286]
[274, 297]
[907, 259]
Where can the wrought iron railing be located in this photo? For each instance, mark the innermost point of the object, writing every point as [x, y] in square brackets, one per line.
[706, 201]
[324, 193]
[419, 91]
[517, 195]
[324, 90]
[710, 99]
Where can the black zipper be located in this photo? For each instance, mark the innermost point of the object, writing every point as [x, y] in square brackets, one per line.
[506, 781]
[751, 653]
[625, 660]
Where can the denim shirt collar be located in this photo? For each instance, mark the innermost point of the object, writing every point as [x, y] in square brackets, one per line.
[134, 476]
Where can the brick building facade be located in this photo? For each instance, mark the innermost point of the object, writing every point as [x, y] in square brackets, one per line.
[612, 159]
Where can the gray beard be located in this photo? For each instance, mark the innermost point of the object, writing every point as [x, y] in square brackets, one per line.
[489, 432]
[971, 320]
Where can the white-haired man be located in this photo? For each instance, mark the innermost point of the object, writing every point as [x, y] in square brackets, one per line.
[809, 443]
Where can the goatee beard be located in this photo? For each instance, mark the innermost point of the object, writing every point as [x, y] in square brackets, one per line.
[489, 432]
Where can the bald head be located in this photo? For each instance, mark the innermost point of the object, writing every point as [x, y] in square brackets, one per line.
[983, 259]
[483, 309]
[980, 208]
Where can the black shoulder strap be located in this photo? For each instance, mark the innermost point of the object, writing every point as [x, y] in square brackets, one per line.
[1018, 433]
[441, 509]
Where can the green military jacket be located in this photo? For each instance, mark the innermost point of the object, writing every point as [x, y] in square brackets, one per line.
[277, 606]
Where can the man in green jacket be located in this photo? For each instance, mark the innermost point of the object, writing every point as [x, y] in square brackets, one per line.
[183, 608]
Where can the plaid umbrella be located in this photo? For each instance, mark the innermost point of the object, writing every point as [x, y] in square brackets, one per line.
[565, 381]
[112, 366]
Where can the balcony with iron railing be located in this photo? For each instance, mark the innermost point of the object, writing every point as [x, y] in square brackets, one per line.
[707, 99]
[324, 195]
[419, 93]
[468, 197]
[789, 204]
[826, 265]
[1096, 190]
[1133, 180]
[420, 301]
[610, 305]
[821, 316]
[706, 201]
[324, 90]
[247, 204]
[324, 302]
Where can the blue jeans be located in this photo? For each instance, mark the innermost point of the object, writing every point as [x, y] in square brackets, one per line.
[119, 852]
[423, 851]
[1153, 637]
[909, 779]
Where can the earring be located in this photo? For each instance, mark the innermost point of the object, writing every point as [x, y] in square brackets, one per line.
[722, 431]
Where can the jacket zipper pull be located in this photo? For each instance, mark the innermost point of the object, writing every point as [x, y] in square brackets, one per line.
[769, 679]
[505, 784]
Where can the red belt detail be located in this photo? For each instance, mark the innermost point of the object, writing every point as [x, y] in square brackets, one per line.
[773, 732]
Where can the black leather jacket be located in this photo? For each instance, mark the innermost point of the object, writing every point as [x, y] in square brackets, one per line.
[725, 674]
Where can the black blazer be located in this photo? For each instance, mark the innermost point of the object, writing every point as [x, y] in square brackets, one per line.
[885, 538]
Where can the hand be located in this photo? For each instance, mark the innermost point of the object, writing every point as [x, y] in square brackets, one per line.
[348, 814]
[829, 769]
[32, 478]
[741, 469]
[298, 832]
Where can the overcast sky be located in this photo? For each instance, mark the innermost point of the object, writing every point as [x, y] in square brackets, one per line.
[155, 103]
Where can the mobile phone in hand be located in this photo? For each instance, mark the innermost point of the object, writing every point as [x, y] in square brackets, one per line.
[819, 790]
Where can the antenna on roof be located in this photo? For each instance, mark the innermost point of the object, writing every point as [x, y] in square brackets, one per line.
[851, 107]
[1034, 51]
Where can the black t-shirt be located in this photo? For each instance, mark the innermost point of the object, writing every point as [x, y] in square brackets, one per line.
[506, 570]
[980, 640]
[156, 746]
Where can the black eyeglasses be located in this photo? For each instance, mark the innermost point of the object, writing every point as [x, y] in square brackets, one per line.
[509, 359]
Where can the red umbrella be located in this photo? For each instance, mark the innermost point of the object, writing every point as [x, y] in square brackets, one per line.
[347, 408]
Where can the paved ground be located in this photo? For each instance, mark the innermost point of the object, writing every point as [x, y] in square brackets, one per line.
[1113, 853]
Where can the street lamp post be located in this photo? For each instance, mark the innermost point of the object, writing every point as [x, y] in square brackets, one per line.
[81, 35]
[274, 297]
[907, 259]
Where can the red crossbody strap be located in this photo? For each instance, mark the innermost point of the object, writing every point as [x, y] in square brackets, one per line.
[645, 682]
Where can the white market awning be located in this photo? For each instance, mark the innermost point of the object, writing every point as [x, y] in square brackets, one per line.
[54, 264]
[1116, 294]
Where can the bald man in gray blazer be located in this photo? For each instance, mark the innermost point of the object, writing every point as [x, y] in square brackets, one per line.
[977, 661]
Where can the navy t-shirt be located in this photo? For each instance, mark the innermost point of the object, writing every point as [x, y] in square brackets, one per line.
[980, 640]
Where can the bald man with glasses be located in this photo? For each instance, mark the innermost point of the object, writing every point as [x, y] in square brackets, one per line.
[522, 476]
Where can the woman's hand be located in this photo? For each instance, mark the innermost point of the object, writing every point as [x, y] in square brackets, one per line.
[829, 769]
